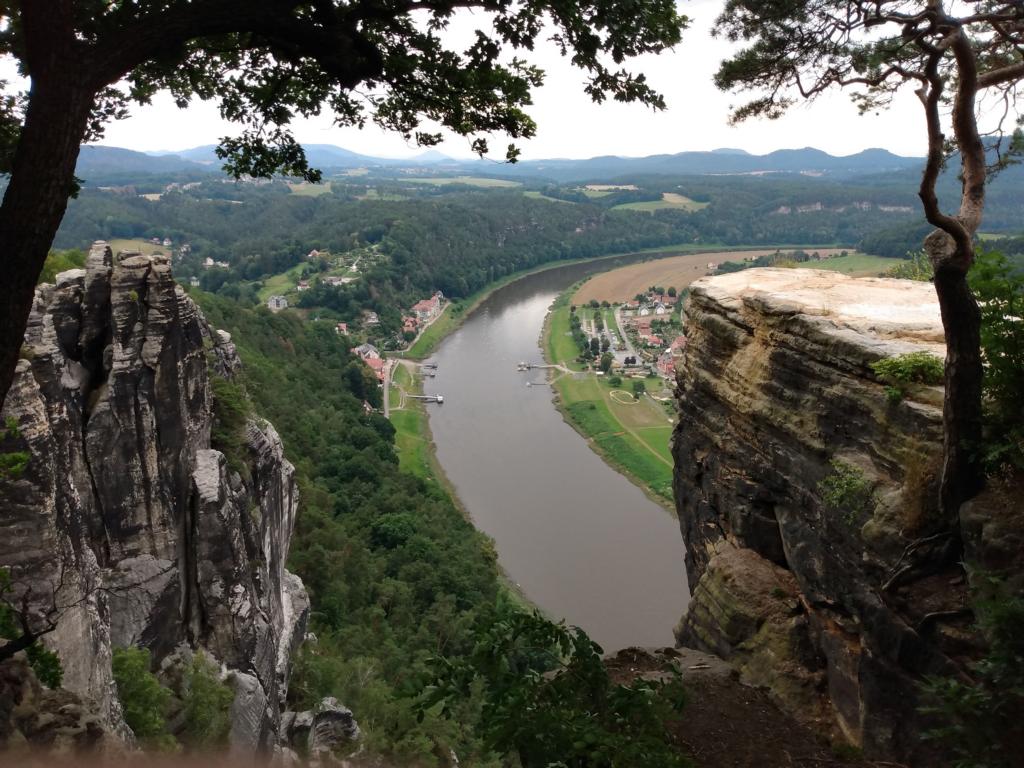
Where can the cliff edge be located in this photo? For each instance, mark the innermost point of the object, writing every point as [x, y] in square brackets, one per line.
[799, 483]
[126, 526]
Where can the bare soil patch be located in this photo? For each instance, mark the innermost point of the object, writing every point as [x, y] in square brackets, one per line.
[626, 282]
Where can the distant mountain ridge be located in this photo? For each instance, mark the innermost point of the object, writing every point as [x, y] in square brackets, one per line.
[97, 162]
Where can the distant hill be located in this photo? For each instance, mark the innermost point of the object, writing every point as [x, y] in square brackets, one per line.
[807, 161]
[99, 162]
[102, 161]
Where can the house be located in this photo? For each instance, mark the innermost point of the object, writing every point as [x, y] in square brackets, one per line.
[367, 352]
[377, 366]
[712, 266]
[303, 285]
[194, 282]
[277, 303]
[410, 324]
[661, 309]
[427, 309]
[370, 318]
[341, 329]
[167, 242]
[223, 264]
[644, 311]
[314, 254]
[155, 240]
[207, 262]
[666, 364]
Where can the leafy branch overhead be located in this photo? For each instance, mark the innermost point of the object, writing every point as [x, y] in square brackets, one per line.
[269, 61]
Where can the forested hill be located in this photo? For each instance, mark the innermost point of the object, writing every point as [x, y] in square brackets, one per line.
[458, 240]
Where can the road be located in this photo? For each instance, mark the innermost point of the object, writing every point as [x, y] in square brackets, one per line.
[630, 351]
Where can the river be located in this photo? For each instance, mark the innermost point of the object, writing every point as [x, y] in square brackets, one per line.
[582, 542]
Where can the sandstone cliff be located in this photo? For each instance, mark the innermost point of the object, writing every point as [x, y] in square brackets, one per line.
[126, 526]
[815, 599]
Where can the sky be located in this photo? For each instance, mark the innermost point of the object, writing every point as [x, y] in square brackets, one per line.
[571, 126]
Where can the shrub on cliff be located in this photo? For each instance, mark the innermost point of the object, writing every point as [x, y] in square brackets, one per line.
[847, 491]
[904, 370]
[231, 409]
[207, 706]
[144, 700]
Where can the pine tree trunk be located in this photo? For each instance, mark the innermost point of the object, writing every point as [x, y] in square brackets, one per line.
[42, 179]
[962, 471]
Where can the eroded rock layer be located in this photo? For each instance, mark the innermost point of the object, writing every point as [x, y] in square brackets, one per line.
[798, 485]
[126, 527]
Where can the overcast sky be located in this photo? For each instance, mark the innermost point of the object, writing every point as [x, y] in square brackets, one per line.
[570, 125]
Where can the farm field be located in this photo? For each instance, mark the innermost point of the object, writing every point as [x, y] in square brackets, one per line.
[310, 190]
[473, 181]
[626, 282]
[668, 200]
[537, 195]
[141, 246]
[857, 265]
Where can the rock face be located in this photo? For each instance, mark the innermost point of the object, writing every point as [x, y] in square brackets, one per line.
[126, 525]
[797, 485]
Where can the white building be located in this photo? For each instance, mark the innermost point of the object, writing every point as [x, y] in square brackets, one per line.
[277, 303]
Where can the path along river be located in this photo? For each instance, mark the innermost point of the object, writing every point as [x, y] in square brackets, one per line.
[583, 542]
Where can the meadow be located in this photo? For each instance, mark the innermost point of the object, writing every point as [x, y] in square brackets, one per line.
[669, 200]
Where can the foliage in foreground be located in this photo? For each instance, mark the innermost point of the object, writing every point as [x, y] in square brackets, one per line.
[998, 283]
[548, 698]
[44, 663]
[980, 718]
[916, 267]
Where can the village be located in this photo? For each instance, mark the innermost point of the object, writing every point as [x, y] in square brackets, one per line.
[635, 338]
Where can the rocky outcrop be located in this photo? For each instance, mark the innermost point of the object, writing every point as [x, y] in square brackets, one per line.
[321, 734]
[126, 526]
[33, 717]
[798, 486]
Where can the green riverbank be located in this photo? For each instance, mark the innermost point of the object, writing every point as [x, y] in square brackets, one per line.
[631, 435]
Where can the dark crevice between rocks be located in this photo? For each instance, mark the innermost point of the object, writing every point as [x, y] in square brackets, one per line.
[188, 571]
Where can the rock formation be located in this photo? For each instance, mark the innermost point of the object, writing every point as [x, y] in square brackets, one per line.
[126, 526]
[807, 591]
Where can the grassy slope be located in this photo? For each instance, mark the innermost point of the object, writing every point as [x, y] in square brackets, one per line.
[412, 431]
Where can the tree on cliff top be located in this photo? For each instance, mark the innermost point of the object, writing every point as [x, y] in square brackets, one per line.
[267, 61]
[958, 56]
